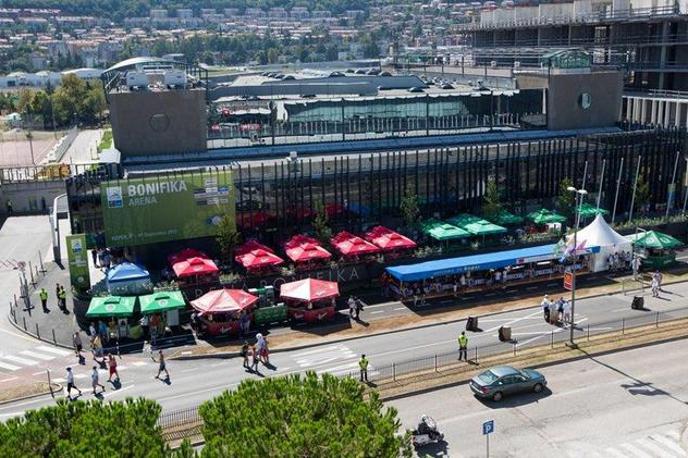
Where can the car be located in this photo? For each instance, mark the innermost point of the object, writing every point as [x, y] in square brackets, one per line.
[500, 381]
[447, 86]
[416, 89]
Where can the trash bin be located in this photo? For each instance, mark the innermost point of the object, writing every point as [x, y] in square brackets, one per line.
[505, 333]
[472, 323]
[638, 303]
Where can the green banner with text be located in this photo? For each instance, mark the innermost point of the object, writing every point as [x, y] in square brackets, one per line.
[166, 207]
[77, 255]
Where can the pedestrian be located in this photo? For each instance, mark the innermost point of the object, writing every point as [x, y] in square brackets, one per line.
[363, 366]
[463, 346]
[654, 286]
[97, 347]
[359, 307]
[546, 304]
[162, 367]
[255, 359]
[635, 264]
[78, 346]
[70, 383]
[62, 298]
[244, 354]
[245, 323]
[57, 295]
[352, 306]
[94, 256]
[92, 332]
[103, 331]
[10, 207]
[660, 278]
[567, 313]
[43, 294]
[260, 344]
[265, 352]
[112, 368]
[94, 380]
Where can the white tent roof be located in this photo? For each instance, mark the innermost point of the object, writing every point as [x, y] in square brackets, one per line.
[599, 233]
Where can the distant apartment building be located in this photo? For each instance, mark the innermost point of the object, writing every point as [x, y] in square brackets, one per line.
[300, 13]
[185, 13]
[321, 14]
[277, 13]
[158, 14]
[231, 12]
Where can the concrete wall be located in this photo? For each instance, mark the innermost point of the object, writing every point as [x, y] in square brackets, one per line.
[564, 110]
[31, 197]
[164, 122]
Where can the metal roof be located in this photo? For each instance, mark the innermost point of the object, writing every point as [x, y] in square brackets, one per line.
[140, 60]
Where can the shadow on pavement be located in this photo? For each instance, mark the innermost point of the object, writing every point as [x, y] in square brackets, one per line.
[434, 450]
[516, 400]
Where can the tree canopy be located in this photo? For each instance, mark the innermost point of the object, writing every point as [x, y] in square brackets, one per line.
[301, 416]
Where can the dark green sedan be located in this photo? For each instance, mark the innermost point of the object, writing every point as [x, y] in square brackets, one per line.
[500, 381]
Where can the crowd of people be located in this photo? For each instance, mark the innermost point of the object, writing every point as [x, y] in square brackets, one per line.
[556, 311]
[253, 355]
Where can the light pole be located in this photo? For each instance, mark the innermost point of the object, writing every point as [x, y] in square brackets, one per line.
[580, 195]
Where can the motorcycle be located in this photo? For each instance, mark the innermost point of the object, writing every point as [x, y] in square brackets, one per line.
[426, 433]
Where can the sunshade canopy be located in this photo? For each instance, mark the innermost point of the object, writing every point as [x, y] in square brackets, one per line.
[111, 306]
[251, 245]
[505, 217]
[258, 259]
[389, 240]
[194, 266]
[588, 211]
[223, 301]
[127, 271]
[352, 245]
[657, 240]
[443, 231]
[463, 220]
[483, 227]
[309, 290]
[544, 216]
[307, 252]
[161, 301]
[186, 253]
[300, 239]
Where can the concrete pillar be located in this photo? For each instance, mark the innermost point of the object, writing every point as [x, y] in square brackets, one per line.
[660, 112]
[629, 108]
[653, 114]
[677, 114]
[667, 113]
[643, 110]
[636, 110]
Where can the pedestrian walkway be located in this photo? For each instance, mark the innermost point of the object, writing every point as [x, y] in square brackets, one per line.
[333, 359]
[36, 356]
[664, 444]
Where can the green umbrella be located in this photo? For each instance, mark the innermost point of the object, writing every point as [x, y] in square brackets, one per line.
[588, 211]
[483, 227]
[506, 218]
[463, 220]
[657, 240]
[161, 301]
[443, 231]
[544, 216]
[117, 306]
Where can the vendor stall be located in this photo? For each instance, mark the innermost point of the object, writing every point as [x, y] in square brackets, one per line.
[506, 218]
[222, 311]
[611, 244]
[258, 260]
[167, 303]
[196, 269]
[185, 254]
[118, 308]
[128, 279]
[251, 245]
[545, 216]
[441, 231]
[307, 253]
[656, 249]
[388, 240]
[310, 300]
[351, 246]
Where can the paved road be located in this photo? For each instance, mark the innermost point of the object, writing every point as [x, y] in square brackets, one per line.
[83, 149]
[195, 381]
[631, 404]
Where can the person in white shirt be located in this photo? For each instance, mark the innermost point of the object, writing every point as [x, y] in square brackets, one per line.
[567, 312]
[94, 380]
[546, 305]
[70, 383]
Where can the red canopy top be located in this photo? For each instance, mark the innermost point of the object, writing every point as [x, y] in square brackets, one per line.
[258, 259]
[299, 240]
[224, 300]
[194, 266]
[251, 245]
[186, 253]
[309, 290]
[352, 245]
[307, 252]
[389, 240]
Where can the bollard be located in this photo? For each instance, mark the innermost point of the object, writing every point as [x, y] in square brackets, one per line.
[38, 334]
[54, 339]
[656, 319]
[50, 385]
[435, 362]
[394, 372]
[40, 261]
[33, 281]
[588, 332]
[24, 318]
[552, 339]
[623, 326]
[514, 345]
[16, 304]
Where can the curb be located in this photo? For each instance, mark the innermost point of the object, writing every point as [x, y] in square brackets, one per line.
[30, 334]
[31, 396]
[683, 441]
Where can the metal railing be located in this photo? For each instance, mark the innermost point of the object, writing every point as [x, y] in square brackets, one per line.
[179, 424]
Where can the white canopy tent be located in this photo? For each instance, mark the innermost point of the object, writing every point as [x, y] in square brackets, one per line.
[599, 233]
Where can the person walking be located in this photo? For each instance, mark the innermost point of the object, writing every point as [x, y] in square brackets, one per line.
[162, 367]
[635, 264]
[78, 346]
[57, 295]
[112, 368]
[92, 332]
[352, 306]
[567, 313]
[70, 383]
[546, 304]
[43, 294]
[244, 354]
[62, 298]
[97, 348]
[254, 359]
[463, 346]
[94, 257]
[10, 207]
[654, 286]
[363, 366]
[103, 332]
[359, 307]
[94, 380]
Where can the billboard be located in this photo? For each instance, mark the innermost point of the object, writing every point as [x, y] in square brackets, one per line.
[77, 255]
[166, 207]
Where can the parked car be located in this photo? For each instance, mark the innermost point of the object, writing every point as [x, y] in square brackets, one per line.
[500, 381]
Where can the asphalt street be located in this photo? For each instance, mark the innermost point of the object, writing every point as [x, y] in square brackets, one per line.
[631, 404]
[194, 381]
[83, 149]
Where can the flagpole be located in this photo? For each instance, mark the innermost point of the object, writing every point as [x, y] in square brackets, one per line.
[635, 186]
[599, 192]
[585, 174]
[618, 185]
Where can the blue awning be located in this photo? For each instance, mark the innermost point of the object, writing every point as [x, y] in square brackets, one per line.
[441, 267]
[127, 271]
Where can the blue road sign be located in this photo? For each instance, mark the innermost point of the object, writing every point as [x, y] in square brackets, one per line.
[488, 427]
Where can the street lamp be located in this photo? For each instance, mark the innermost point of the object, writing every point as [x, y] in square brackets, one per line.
[580, 195]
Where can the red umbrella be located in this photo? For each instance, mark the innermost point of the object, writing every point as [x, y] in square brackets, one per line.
[351, 245]
[389, 240]
[194, 266]
[333, 209]
[299, 240]
[258, 259]
[186, 253]
[309, 290]
[307, 252]
[251, 245]
[224, 300]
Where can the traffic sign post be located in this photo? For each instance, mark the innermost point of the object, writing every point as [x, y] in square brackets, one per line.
[488, 428]
[568, 281]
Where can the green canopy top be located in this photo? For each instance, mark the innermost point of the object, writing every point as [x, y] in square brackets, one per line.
[505, 218]
[111, 306]
[443, 231]
[463, 220]
[657, 240]
[161, 302]
[588, 211]
[483, 227]
[544, 216]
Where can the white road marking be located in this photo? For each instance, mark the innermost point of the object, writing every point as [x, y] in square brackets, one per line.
[114, 392]
[17, 359]
[614, 453]
[8, 379]
[317, 350]
[648, 444]
[57, 351]
[400, 308]
[634, 451]
[139, 363]
[33, 354]
[8, 366]
[378, 311]
[666, 441]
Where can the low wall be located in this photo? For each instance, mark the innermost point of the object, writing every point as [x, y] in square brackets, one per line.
[31, 197]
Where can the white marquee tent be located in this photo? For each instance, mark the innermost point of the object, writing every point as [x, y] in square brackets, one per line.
[599, 233]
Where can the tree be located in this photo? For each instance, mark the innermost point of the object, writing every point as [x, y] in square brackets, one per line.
[566, 201]
[491, 201]
[321, 223]
[301, 416]
[123, 429]
[227, 237]
[410, 207]
[642, 193]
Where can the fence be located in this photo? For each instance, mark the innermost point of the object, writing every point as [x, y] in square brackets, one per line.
[178, 424]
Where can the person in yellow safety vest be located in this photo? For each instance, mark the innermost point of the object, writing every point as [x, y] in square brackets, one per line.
[363, 365]
[43, 294]
[62, 298]
[463, 346]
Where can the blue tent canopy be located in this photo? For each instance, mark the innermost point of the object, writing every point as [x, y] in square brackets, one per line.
[453, 266]
[127, 271]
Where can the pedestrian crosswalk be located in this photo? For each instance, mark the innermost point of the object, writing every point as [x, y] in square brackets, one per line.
[38, 355]
[658, 445]
[337, 360]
